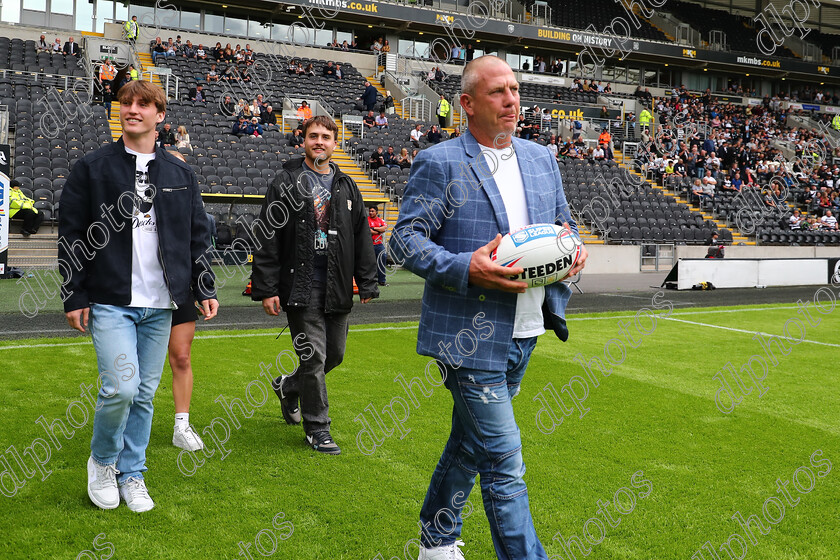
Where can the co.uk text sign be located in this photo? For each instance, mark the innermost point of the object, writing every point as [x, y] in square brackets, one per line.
[571, 114]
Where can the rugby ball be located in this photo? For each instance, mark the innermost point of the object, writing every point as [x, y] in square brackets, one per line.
[547, 252]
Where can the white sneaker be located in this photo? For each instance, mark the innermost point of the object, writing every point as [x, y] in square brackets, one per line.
[448, 552]
[136, 496]
[102, 485]
[186, 438]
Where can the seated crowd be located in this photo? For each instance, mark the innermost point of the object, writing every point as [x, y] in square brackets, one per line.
[718, 149]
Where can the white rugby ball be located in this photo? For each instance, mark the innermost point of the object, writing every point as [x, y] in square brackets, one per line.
[547, 252]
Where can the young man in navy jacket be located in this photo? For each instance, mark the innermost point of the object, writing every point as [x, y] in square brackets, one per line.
[133, 234]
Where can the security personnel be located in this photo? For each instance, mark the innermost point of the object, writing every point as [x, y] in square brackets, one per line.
[23, 207]
[835, 122]
[132, 71]
[645, 118]
[442, 110]
[130, 29]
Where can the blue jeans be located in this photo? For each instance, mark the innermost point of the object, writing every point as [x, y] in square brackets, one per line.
[130, 344]
[379, 250]
[484, 440]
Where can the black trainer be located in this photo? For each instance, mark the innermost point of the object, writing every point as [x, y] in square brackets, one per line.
[323, 443]
[288, 404]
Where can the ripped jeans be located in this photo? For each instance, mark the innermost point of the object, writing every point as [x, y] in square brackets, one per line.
[484, 440]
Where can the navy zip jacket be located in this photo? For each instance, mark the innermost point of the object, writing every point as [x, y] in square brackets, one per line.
[95, 230]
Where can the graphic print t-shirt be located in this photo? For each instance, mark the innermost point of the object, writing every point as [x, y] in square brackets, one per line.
[148, 287]
[321, 185]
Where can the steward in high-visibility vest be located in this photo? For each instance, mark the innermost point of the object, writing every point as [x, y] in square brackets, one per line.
[107, 73]
[645, 117]
[130, 28]
[442, 110]
[835, 122]
[133, 72]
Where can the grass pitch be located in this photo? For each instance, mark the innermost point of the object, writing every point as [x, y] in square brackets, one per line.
[654, 413]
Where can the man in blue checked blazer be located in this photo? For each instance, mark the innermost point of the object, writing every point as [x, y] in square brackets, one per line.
[462, 196]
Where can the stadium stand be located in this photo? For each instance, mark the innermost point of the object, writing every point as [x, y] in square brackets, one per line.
[739, 30]
[580, 14]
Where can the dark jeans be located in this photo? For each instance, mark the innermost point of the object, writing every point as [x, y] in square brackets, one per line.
[31, 219]
[484, 440]
[380, 261]
[321, 351]
[441, 121]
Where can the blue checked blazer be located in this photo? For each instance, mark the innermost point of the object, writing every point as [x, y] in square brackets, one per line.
[452, 207]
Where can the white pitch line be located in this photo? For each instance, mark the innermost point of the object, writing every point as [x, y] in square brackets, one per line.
[744, 331]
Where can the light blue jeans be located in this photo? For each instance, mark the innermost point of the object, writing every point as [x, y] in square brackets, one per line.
[484, 439]
[130, 344]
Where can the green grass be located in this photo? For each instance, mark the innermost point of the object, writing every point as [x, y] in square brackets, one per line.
[655, 413]
[403, 285]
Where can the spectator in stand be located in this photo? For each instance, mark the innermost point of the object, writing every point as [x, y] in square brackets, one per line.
[23, 208]
[377, 227]
[390, 159]
[189, 50]
[329, 70]
[696, 191]
[310, 70]
[107, 98]
[240, 127]
[339, 73]
[456, 132]
[795, 221]
[200, 53]
[404, 159]
[42, 45]
[212, 74]
[388, 104]
[369, 120]
[376, 46]
[605, 139]
[158, 49]
[182, 139]
[171, 49]
[296, 138]
[256, 127]
[709, 184]
[198, 94]
[166, 137]
[469, 53]
[439, 74]
[552, 146]
[217, 51]
[434, 136]
[257, 109]
[417, 135]
[381, 121]
[71, 47]
[377, 159]
[228, 107]
[269, 117]
[369, 97]
[605, 113]
[345, 46]
[828, 221]
[598, 153]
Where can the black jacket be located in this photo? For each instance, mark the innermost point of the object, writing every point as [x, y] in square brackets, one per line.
[101, 189]
[283, 256]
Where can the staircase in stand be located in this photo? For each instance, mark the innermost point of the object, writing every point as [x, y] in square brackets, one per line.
[36, 252]
[736, 237]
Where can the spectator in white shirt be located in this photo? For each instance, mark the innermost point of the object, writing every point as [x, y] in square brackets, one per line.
[416, 135]
[828, 221]
[795, 220]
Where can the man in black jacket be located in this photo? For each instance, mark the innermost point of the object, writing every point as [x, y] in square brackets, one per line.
[132, 238]
[306, 266]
